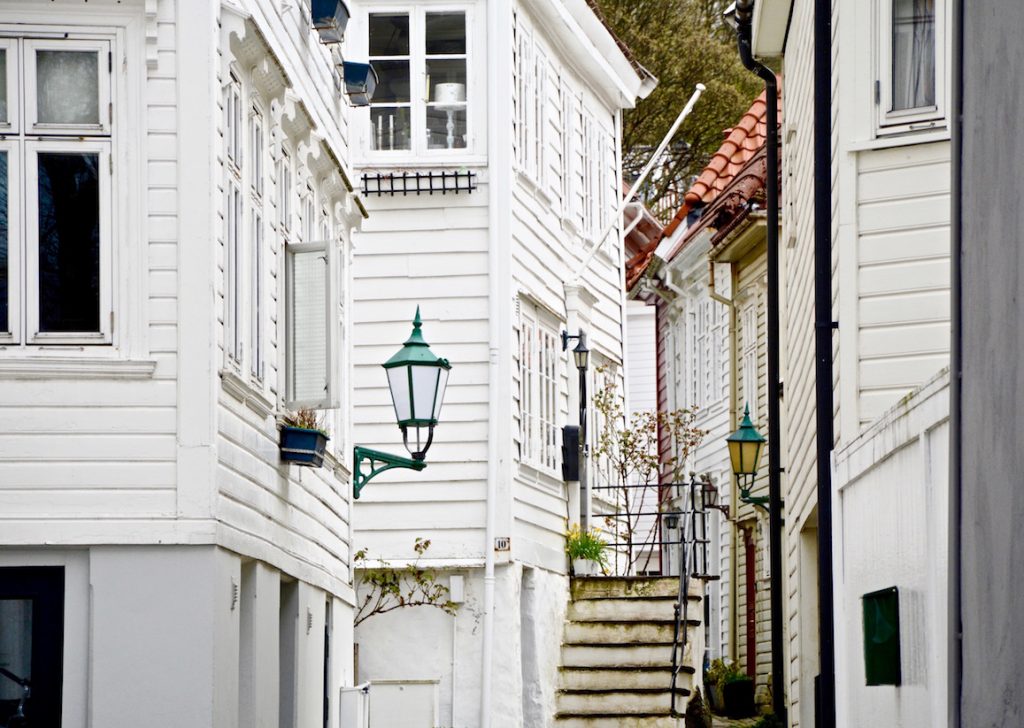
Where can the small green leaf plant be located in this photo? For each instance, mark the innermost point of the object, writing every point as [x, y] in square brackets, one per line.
[387, 588]
[580, 544]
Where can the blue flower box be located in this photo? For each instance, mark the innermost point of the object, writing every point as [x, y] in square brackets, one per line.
[360, 82]
[330, 17]
[302, 446]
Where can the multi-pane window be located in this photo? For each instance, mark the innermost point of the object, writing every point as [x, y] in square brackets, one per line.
[55, 180]
[530, 76]
[423, 100]
[235, 222]
[257, 265]
[748, 328]
[910, 89]
[540, 356]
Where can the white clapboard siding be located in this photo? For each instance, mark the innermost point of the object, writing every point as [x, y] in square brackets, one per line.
[798, 411]
[80, 456]
[641, 371]
[903, 271]
[430, 252]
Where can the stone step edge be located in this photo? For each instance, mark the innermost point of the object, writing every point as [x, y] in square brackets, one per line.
[627, 597]
[599, 645]
[624, 691]
[617, 717]
[685, 669]
[691, 621]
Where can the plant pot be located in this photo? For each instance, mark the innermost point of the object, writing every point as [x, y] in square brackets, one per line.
[738, 696]
[302, 446]
[583, 567]
[715, 700]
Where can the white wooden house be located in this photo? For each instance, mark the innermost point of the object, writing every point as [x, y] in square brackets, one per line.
[891, 246]
[176, 225]
[489, 162]
[706, 281]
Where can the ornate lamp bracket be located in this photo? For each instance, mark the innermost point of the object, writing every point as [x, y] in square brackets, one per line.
[378, 462]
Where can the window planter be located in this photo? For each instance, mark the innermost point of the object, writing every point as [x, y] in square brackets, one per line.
[330, 18]
[302, 446]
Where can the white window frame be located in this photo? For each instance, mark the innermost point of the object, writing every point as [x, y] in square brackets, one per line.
[31, 232]
[749, 363]
[15, 236]
[24, 140]
[257, 244]
[330, 398]
[102, 48]
[539, 391]
[907, 120]
[475, 92]
[13, 123]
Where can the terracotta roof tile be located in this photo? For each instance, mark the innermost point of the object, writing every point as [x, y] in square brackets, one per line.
[736, 155]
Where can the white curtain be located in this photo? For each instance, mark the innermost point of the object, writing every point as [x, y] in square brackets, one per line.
[913, 54]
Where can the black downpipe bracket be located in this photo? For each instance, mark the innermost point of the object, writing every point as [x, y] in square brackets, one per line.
[823, 325]
[744, 9]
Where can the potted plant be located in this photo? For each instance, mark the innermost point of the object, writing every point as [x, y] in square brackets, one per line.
[738, 694]
[304, 439]
[585, 549]
[714, 679]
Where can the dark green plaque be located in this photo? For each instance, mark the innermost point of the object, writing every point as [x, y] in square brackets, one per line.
[882, 637]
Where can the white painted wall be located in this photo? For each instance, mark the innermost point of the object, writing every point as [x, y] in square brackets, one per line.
[154, 472]
[891, 516]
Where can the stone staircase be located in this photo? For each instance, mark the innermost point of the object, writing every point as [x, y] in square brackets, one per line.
[617, 653]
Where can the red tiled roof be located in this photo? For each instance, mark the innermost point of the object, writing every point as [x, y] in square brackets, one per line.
[734, 159]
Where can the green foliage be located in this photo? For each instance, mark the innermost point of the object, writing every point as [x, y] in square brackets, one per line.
[721, 673]
[628, 450]
[390, 588]
[682, 42]
[588, 545]
[768, 721]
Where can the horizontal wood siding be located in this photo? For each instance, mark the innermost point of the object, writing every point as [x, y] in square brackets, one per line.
[87, 460]
[903, 271]
[431, 252]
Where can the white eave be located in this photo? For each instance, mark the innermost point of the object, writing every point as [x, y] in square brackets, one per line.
[592, 50]
[769, 27]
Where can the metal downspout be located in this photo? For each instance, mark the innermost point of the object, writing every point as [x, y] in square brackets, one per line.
[823, 325]
[744, 10]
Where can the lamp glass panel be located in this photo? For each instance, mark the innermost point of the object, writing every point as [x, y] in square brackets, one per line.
[424, 384]
[398, 382]
[442, 385]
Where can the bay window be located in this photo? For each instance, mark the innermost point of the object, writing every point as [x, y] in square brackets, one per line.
[423, 97]
[910, 90]
[55, 191]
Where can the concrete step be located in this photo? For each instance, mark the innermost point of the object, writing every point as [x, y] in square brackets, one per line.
[604, 587]
[625, 609]
[617, 721]
[634, 678]
[615, 631]
[621, 655]
[621, 702]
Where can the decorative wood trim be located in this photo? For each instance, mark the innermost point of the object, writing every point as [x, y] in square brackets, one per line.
[152, 57]
[245, 393]
[52, 368]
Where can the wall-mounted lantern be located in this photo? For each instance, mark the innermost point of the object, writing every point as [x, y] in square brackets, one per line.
[330, 17]
[417, 379]
[360, 82]
[745, 447]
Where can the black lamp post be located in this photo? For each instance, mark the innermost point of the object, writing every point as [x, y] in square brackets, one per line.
[581, 355]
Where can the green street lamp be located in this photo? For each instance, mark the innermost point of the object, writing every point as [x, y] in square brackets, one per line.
[745, 446]
[417, 379]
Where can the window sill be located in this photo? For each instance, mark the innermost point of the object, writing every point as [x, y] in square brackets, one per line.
[540, 478]
[246, 393]
[42, 367]
[901, 139]
[408, 161]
